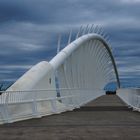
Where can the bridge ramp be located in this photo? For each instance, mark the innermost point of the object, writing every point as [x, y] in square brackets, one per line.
[104, 118]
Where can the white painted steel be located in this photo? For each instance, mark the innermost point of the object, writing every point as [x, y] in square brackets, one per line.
[85, 64]
[131, 97]
[38, 77]
[14, 107]
[61, 57]
[83, 69]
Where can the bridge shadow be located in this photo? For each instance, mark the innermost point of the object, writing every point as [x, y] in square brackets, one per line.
[109, 102]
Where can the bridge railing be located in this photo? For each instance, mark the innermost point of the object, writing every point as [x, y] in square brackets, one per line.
[21, 105]
[131, 96]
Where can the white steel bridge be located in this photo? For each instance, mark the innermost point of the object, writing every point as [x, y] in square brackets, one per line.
[82, 69]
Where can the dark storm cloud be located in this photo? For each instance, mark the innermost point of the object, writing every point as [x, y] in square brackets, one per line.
[26, 10]
[70, 11]
[29, 30]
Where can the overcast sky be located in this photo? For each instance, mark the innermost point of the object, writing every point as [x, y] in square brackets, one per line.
[29, 31]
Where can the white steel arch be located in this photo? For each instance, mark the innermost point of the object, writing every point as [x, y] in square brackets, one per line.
[83, 68]
[87, 65]
[59, 59]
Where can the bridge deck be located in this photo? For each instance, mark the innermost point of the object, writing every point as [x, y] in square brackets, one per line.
[105, 118]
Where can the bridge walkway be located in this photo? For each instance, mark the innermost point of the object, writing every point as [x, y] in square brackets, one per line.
[106, 118]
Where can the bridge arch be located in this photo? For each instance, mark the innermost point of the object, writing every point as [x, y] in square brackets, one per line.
[89, 52]
[82, 68]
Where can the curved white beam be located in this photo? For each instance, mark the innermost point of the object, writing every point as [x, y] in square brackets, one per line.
[67, 51]
[83, 68]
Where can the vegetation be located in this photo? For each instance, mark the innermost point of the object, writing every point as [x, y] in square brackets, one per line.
[3, 87]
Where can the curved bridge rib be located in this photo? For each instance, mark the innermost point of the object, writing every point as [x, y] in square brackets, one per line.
[83, 68]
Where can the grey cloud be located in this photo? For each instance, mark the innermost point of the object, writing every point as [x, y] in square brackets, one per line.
[29, 31]
[62, 11]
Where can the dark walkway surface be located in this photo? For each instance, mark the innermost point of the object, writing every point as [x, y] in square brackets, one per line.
[106, 118]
